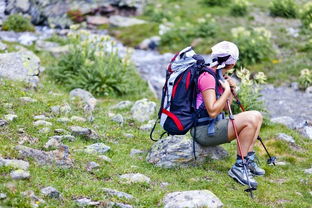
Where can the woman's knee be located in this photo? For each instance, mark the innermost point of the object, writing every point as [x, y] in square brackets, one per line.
[254, 118]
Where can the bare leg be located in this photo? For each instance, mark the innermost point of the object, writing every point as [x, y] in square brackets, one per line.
[257, 131]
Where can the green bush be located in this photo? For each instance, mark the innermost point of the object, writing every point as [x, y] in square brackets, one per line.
[239, 8]
[90, 66]
[254, 45]
[283, 8]
[17, 23]
[249, 91]
[156, 14]
[305, 79]
[216, 2]
[306, 15]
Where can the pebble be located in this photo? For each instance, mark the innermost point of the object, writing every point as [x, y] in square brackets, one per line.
[92, 165]
[86, 202]
[105, 158]
[19, 174]
[50, 192]
[27, 100]
[10, 117]
[135, 178]
[42, 123]
[286, 137]
[78, 119]
[3, 196]
[308, 171]
[40, 117]
[97, 148]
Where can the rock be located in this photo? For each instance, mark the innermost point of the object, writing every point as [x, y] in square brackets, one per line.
[119, 194]
[308, 171]
[286, 137]
[52, 143]
[27, 100]
[86, 97]
[22, 66]
[120, 21]
[83, 202]
[28, 139]
[63, 109]
[177, 151]
[27, 39]
[35, 201]
[3, 46]
[285, 120]
[41, 117]
[281, 163]
[20, 174]
[105, 158]
[97, 20]
[150, 43]
[3, 122]
[77, 119]
[119, 205]
[294, 85]
[9, 36]
[123, 105]
[164, 185]
[69, 138]
[293, 32]
[91, 166]
[134, 178]
[3, 196]
[118, 119]
[148, 126]
[129, 136]
[50, 192]
[10, 117]
[44, 130]
[309, 90]
[307, 131]
[42, 123]
[60, 157]
[192, 199]
[142, 110]
[97, 148]
[63, 120]
[85, 132]
[135, 152]
[18, 164]
[46, 45]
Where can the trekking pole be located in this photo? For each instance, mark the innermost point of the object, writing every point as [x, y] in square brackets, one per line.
[271, 159]
[250, 188]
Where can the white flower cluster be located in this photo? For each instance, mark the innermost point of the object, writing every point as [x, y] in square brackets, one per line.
[243, 32]
[244, 75]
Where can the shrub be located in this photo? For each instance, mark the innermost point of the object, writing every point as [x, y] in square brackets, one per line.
[239, 8]
[157, 14]
[283, 8]
[216, 2]
[17, 23]
[254, 45]
[306, 15]
[305, 79]
[93, 64]
[249, 91]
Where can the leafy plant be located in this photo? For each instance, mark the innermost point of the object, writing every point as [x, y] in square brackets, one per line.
[254, 45]
[17, 23]
[249, 91]
[306, 15]
[216, 2]
[305, 79]
[239, 8]
[91, 65]
[284, 8]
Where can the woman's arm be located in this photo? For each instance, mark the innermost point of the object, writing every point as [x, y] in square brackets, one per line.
[214, 106]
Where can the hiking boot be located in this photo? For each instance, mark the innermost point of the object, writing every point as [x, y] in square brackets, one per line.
[252, 165]
[237, 172]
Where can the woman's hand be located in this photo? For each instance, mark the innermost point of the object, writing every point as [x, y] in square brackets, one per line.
[230, 81]
[225, 84]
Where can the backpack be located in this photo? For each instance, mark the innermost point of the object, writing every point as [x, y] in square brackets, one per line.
[178, 113]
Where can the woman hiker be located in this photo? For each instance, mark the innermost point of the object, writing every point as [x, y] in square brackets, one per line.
[224, 56]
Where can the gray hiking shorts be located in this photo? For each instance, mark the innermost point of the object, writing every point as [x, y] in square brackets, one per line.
[220, 136]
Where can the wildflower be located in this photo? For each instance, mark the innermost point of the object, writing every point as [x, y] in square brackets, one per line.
[260, 78]
[275, 61]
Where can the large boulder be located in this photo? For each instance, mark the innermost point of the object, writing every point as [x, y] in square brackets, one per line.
[177, 151]
[192, 199]
[23, 66]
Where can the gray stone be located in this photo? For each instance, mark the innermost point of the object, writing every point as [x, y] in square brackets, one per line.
[22, 66]
[309, 90]
[86, 97]
[41, 117]
[59, 50]
[10, 117]
[50, 192]
[308, 171]
[281, 163]
[142, 110]
[97, 20]
[192, 199]
[28, 139]
[97, 148]
[148, 126]
[9, 36]
[285, 120]
[27, 39]
[52, 143]
[44, 130]
[286, 137]
[134, 178]
[63, 120]
[59, 157]
[135, 152]
[42, 123]
[18, 164]
[307, 132]
[128, 135]
[35, 201]
[69, 138]
[55, 110]
[63, 109]
[105, 158]
[177, 151]
[119, 205]
[60, 131]
[20, 174]
[77, 119]
[294, 85]
[45, 45]
[3, 46]
[3, 196]
[3, 122]
[119, 194]
[27, 100]
[92, 165]
[123, 105]
[150, 43]
[83, 202]
[118, 119]
[120, 21]
[86, 132]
